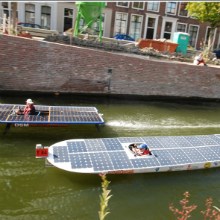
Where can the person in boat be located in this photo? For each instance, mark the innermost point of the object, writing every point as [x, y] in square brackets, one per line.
[29, 108]
[140, 150]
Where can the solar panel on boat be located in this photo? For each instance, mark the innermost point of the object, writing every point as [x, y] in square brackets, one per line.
[112, 154]
[144, 162]
[51, 115]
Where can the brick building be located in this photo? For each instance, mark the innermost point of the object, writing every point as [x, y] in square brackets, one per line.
[151, 20]
[154, 20]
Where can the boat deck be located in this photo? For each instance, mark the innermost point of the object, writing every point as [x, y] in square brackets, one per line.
[112, 155]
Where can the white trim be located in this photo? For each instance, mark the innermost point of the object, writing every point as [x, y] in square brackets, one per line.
[122, 5]
[206, 31]
[7, 9]
[140, 26]
[192, 25]
[175, 9]
[183, 24]
[126, 25]
[156, 24]
[151, 9]
[138, 8]
[173, 21]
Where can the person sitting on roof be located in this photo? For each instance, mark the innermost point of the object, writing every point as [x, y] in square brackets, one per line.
[141, 149]
[29, 108]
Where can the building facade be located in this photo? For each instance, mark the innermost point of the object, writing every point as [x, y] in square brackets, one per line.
[159, 20]
[147, 20]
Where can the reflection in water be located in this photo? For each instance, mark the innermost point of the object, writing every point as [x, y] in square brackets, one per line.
[29, 190]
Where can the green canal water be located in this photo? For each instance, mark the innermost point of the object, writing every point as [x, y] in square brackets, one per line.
[29, 190]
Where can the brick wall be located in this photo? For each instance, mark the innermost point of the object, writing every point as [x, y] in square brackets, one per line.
[29, 65]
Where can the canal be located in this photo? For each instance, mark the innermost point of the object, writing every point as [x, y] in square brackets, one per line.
[30, 190]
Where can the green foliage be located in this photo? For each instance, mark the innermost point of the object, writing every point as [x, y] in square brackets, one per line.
[205, 12]
[104, 198]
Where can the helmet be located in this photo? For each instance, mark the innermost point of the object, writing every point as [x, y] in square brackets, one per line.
[142, 146]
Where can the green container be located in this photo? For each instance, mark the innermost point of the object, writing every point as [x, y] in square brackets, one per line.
[182, 39]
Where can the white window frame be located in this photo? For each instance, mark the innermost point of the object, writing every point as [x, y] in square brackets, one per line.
[27, 11]
[8, 9]
[169, 19]
[179, 11]
[168, 13]
[126, 24]
[41, 14]
[138, 8]
[183, 24]
[156, 24]
[66, 16]
[141, 16]
[122, 5]
[192, 25]
[153, 3]
[206, 32]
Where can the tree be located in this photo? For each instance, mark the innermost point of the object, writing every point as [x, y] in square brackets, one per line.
[206, 12]
[14, 14]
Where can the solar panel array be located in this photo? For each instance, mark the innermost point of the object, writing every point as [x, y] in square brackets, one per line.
[108, 154]
[51, 115]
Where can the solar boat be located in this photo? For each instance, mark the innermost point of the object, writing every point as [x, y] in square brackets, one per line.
[113, 155]
[49, 115]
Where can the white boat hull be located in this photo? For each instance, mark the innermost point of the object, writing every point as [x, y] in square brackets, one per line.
[112, 155]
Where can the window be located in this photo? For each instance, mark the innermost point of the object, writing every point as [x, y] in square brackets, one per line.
[135, 28]
[150, 28]
[121, 23]
[181, 27]
[30, 13]
[45, 16]
[207, 35]
[138, 5]
[122, 4]
[6, 9]
[95, 26]
[68, 19]
[153, 6]
[182, 9]
[167, 30]
[171, 8]
[193, 32]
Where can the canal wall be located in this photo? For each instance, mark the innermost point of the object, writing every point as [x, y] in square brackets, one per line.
[38, 66]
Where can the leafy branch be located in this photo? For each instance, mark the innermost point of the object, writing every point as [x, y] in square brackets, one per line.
[104, 198]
